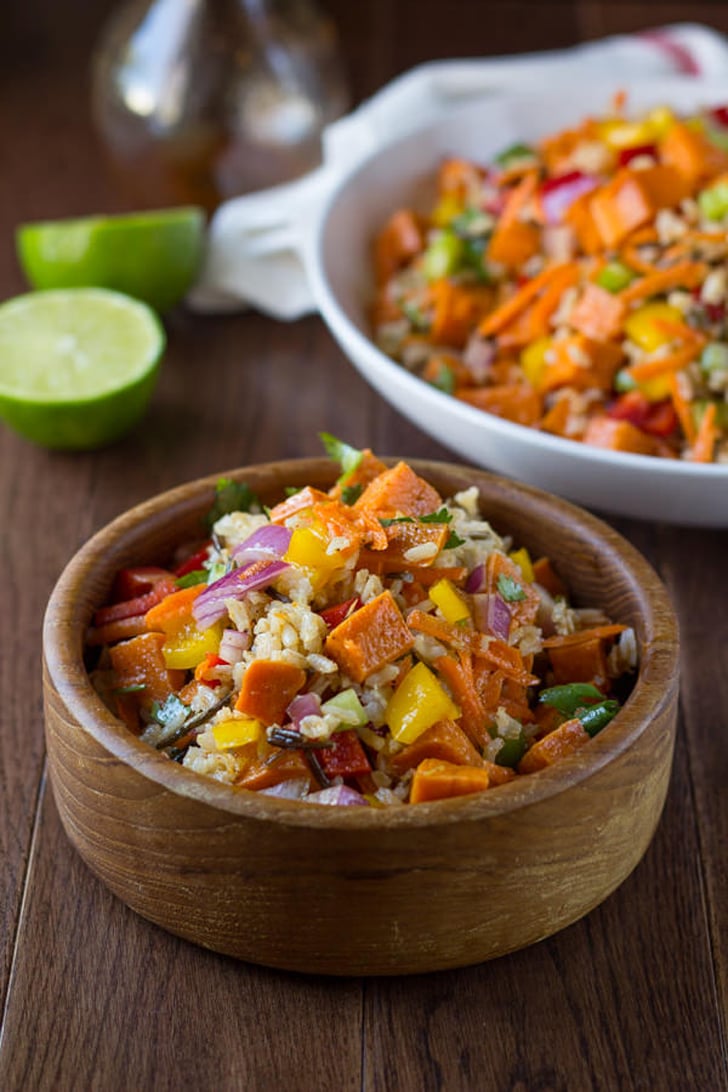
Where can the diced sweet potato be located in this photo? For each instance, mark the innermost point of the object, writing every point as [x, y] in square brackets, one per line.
[369, 638]
[665, 185]
[457, 311]
[581, 362]
[692, 155]
[268, 688]
[140, 662]
[579, 217]
[368, 469]
[563, 741]
[399, 491]
[582, 662]
[545, 575]
[299, 502]
[291, 766]
[514, 243]
[619, 436]
[444, 740]
[404, 537]
[437, 780]
[599, 314]
[400, 240]
[517, 402]
[620, 207]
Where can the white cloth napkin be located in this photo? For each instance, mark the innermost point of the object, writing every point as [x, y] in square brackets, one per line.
[254, 245]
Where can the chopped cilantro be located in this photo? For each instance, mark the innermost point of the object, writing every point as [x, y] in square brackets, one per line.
[231, 496]
[291, 490]
[444, 380]
[510, 589]
[351, 493]
[516, 153]
[440, 516]
[189, 580]
[396, 519]
[348, 457]
[453, 541]
[132, 688]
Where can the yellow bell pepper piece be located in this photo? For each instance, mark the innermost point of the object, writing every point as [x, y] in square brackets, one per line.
[660, 121]
[533, 359]
[657, 389]
[308, 548]
[238, 732]
[522, 559]
[188, 647]
[626, 134]
[445, 596]
[447, 208]
[644, 325]
[418, 702]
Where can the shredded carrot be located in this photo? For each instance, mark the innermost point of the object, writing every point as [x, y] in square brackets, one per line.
[659, 281]
[507, 311]
[682, 407]
[702, 451]
[458, 674]
[664, 365]
[581, 635]
[519, 198]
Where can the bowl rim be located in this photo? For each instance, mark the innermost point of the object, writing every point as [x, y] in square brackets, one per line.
[653, 693]
[677, 471]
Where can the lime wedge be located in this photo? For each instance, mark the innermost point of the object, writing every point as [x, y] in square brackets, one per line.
[77, 367]
[153, 256]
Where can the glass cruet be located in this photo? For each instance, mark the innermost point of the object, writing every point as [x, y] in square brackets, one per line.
[199, 100]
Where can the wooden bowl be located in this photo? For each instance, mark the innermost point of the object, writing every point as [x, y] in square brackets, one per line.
[360, 891]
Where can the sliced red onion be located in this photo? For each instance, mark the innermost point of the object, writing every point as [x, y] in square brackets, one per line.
[476, 580]
[293, 789]
[478, 355]
[338, 795]
[210, 606]
[559, 194]
[304, 705]
[270, 541]
[232, 645]
[559, 242]
[492, 614]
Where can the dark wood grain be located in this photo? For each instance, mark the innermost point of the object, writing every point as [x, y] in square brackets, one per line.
[632, 997]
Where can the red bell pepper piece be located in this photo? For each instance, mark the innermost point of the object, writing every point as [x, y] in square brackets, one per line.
[719, 114]
[130, 583]
[626, 155]
[560, 180]
[332, 616]
[159, 588]
[194, 562]
[211, 660]
[656, 418]
[346, 757]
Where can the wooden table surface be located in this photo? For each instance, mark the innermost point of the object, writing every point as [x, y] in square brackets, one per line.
[631, 997]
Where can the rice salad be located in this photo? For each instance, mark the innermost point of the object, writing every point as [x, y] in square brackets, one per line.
[375, 645]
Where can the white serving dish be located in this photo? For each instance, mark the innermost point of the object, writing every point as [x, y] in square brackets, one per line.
[336, 249]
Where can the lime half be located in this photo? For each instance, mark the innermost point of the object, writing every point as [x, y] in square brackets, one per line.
[77, 367]
[154, 256]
